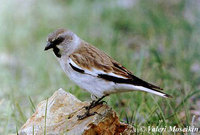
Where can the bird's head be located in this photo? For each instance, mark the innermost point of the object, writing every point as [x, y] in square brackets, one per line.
[62, 42]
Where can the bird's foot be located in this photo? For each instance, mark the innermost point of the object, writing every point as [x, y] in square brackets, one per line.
[87, 114]
[93, 104]
[89, 107]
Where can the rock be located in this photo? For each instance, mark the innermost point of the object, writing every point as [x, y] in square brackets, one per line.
[58, 115]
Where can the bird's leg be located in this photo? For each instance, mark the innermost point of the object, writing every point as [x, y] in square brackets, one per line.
[86, 114]
[95, 103]
[92, 105]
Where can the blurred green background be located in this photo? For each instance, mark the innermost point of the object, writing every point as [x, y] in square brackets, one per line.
[157, 40]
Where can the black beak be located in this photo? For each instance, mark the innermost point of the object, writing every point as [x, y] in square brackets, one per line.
[48, 46]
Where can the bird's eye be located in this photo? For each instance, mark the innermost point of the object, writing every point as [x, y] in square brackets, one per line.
[58, 41]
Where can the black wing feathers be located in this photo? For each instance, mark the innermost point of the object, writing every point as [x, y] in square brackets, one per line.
[76, 69]
[131, 80]
[134, 81]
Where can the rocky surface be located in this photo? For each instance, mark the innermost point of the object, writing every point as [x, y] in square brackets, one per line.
[58, 115]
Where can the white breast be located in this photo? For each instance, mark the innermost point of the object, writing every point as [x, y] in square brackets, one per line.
[96, 86]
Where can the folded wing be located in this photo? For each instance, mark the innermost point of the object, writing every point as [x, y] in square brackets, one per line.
[94, 62]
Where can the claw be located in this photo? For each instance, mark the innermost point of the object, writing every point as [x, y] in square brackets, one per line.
[87, 114]
[92, 105]
[102, 102]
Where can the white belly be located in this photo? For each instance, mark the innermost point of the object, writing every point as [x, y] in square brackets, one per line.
[96, 86]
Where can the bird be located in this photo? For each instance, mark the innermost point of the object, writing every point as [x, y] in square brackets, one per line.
[93, 70]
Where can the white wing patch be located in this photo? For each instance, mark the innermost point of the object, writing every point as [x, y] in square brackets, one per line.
[94, 72]
[74, 64]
